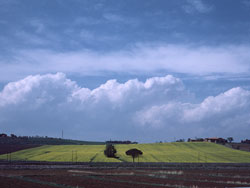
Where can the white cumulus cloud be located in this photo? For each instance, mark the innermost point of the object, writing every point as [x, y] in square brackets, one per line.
[159, 108]
[233, 101]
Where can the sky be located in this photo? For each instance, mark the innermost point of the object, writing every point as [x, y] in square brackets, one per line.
[139, 70]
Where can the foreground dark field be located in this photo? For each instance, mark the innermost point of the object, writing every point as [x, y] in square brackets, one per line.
[21, 176]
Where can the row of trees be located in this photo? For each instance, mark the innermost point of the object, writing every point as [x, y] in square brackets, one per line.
[110, 151]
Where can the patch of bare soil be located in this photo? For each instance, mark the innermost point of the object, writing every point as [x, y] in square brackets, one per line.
[106, 178]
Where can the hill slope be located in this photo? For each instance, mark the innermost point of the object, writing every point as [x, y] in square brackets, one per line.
[167, 152]
[45, 141]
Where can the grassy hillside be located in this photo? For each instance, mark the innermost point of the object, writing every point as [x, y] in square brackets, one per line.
[167, 152]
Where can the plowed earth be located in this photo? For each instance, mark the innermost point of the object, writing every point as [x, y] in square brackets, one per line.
[9, 148]
[122, 178]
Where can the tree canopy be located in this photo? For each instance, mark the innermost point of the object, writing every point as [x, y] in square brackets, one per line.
[230, 139]
[110, 151]
[134, 153]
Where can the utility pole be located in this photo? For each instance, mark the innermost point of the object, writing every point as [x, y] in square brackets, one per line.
[9, 157]
[74, 156]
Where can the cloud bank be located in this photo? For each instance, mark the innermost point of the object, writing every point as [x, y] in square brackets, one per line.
[141, 59]
[160, 108]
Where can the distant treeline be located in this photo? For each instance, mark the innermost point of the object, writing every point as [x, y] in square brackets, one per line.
[245, 141]
[120, 142]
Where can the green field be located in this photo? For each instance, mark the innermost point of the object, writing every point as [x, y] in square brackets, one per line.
[162, 152]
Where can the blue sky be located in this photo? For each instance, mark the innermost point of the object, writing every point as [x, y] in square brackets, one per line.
[142, 70]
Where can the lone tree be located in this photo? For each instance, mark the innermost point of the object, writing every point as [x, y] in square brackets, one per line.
[110, 151]
[134, 153]
[230, 139]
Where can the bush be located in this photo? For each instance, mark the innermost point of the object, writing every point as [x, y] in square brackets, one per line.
[110, 151]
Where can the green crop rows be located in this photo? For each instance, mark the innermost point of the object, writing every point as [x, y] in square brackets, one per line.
[162, 152]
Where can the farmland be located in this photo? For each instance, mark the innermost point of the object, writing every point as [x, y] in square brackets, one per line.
[9, 148]
[160, 152]
[101, 177]
[186, 165]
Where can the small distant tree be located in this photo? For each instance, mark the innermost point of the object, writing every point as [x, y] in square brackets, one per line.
[110, 151]
[134, 153]
[13, 136]
[180, 140]
[230, 139]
